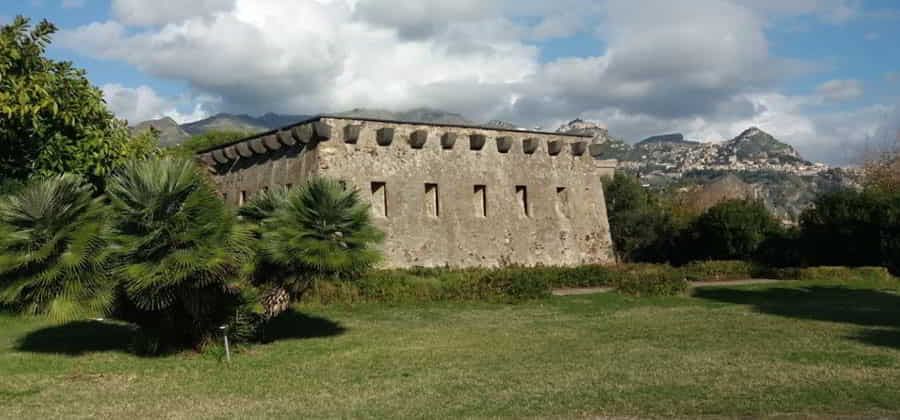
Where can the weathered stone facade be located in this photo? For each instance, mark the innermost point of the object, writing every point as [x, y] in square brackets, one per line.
[445, 195]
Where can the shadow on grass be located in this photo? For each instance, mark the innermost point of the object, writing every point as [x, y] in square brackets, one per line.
[81, 337]
[878, 311]
[77, 338]
[293, 325]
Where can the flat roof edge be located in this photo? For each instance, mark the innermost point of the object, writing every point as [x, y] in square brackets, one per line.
[347, 117]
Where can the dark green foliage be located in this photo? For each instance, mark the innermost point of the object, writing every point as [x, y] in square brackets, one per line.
[854, 228]
[54, 253]
[184, 257]
[641, 226]
[263, 204]
[52, 120]
[719, 270]
[784, 248]
[832, 274]
[10, 186]
[731, 230]
[511, 284]
[660, 282]
[319, 229]
[205, 141]
[323, 229]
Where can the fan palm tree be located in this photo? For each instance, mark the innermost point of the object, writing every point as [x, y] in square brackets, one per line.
[54, 254]
[321, 229]
[263, 204]
[183, 257]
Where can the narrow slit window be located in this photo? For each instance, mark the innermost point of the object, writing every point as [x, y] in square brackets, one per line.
[242, 198]
[432, 200]
[480, 199]
[379, 199]
[522, 196]
[225, 197]
[562, 201]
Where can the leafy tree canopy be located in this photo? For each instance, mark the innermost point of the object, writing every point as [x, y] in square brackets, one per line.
[733, 229]
[205, 141]
[54, 253]
[52, 120]
[640, 223]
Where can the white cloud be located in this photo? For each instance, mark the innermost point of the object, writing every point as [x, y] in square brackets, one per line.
[423, 18]
[307, 56]
[701, 66]
[143, 103]
[840, 90]
[160, 12]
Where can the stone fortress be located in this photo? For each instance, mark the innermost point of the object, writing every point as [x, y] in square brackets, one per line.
[445, 195]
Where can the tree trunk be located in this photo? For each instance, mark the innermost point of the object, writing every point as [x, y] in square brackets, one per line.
[276, 301]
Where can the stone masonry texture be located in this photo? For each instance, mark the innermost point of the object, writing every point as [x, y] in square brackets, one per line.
[445, 195]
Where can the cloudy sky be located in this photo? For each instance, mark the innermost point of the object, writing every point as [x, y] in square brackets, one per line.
[823, 75]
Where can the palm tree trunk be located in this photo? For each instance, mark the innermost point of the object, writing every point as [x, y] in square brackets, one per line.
[276, 301]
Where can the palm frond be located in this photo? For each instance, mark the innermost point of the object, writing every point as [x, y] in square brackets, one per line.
[178, 247]
[53, 234]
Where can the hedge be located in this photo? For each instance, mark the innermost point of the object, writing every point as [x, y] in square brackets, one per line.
[514, 284]
[499, 285]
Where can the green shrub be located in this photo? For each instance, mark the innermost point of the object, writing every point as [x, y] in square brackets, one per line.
[858, 228]
[319, 230]
[640, 224]
[182, 256]
[658, 282]
[521, 283]
[732, 230]
[718, 270]
[54, 250]
[509, 284]
[835, 274]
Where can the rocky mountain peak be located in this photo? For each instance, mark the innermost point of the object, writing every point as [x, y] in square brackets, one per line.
[755, 144]
[578, 126]
[751, 132]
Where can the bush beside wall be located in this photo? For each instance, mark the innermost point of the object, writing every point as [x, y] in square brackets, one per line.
[719, 270]
[498, 285]
[514, 284]
[836, 274]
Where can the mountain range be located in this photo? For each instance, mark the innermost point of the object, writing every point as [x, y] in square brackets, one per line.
[754, 164]
[172, 133]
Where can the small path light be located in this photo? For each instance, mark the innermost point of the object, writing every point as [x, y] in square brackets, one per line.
[224, 329]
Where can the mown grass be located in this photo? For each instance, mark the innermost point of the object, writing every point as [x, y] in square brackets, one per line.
[808, 348]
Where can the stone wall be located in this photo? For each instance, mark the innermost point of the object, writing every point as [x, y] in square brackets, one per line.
[445, 195]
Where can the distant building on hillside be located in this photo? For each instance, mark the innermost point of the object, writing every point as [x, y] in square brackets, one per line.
[445, 195]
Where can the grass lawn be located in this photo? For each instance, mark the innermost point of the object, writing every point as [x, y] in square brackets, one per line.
[796, 349]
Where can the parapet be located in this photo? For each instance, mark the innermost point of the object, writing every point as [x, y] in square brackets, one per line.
[413, 135]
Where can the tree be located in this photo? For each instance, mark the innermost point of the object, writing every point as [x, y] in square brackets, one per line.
[184, 259]
[205, 141]
[641, 225]
[883, 173]
[854, 228]
[732, 229]
[320, 229]
[52, 120]
[264, 204]
[54, 254]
